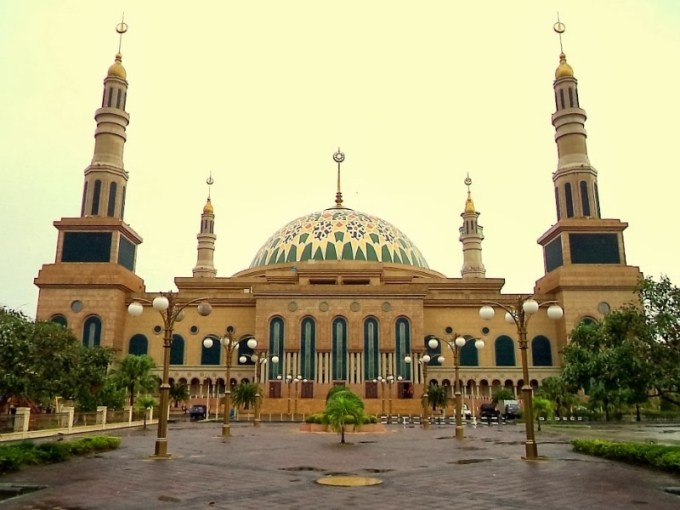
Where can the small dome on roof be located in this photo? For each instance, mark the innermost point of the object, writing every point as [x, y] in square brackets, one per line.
[117, 70]
[564, 69]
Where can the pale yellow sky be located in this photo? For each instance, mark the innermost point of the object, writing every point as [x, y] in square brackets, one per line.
[261, 93]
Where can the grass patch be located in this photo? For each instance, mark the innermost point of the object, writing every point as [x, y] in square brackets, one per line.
[665, 458]
[28, 453]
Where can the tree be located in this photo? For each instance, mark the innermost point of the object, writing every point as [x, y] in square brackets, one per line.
[146, 403]
[245, 395]
[41, 360]
[178, 393]
[559, 393]
[543, 408]
[134, 374]
[502, 394]
[341, 408]
[437, 396]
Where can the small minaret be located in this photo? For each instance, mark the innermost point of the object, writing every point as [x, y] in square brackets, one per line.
[105, 177]
[471, 235]
[575, 180]
[206, 240]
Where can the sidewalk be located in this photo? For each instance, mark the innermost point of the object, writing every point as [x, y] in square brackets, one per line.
[276, 466]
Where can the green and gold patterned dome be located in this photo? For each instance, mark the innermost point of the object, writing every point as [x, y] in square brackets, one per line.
[339, 234]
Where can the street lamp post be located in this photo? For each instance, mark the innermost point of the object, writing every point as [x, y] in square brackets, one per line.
[296, 380]
[259, 358]
[230, 345]
[289, 381]
[382, 381]
[519, 314]
[424, 399]
[171, 310]
[456, 342]
[390, 382]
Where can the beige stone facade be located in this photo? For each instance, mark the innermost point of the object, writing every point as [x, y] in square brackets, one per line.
[339, 297]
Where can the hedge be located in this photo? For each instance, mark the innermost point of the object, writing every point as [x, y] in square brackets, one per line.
[666, 458]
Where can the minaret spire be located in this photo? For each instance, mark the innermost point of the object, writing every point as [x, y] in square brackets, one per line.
[471, 235]
[576, 193]
[105, 177]
[338, 157]
[205, 267]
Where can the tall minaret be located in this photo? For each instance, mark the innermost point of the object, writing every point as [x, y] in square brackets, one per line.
[93, 274]
[205, 267]
[584, 254]
[105, 177]
[471, 235]
[575, 180]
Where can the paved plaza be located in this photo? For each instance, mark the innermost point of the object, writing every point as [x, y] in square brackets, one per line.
[277, 466]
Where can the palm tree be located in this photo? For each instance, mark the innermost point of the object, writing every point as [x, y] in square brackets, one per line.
[134, 374]
[543, 408]
[146, 403]
[245, 395]
[437, 396]
[179, 393]
[343, 407]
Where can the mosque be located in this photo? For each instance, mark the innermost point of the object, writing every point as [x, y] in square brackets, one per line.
[337, 296]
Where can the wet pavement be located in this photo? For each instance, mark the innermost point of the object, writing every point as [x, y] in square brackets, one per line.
[277, 466]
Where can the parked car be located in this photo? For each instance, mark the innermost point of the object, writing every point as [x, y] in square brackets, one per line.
[511, 409]
[488, 411]
[467, 414]
[198, 412]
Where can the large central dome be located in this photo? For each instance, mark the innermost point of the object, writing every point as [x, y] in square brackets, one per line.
[339, 234]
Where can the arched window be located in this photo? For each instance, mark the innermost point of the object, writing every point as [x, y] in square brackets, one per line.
[371, 349]
[557, 203]
[403, 347]
[276, 346]
[505, 351]
[111, 210]
[59, 319]
[92, 331]
[339, 356]
[244, 353]
[308, 349]
[433, 353]
[585, 198]
[95, 197]
[177, 351]
[569, 200]
[469, 356]
[588, 321]
[211, 356]
[540, 352]
[82, 205]
[138, 345]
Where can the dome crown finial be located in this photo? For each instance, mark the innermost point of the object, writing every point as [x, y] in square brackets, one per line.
[563, 70]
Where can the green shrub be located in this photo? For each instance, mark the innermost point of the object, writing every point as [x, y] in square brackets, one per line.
[315, 418]
[13, 456]
[662, 457]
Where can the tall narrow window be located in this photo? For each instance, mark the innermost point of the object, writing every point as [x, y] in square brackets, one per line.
[469, 356]
[177, 351]
[95, 197]
[571, 98]
[108, 103]
[505, 351]
[597, 201]
[562, 98]
[111, 210]
[541, 352]
[339, 372]
[403, 347]
[308, 349]
[118, 97]
[557, 203]
[585, 199]
[371, 349]
[122, 204]
[139, 345]
[276, 345]
[82, 205]
[211, 356]
[569, 200]
[92, 330]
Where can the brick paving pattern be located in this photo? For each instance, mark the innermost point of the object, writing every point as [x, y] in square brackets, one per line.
[276, 465]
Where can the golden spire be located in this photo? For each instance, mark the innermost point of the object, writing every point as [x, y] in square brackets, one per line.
[338, 157]
[469, 204]
[208, 208]
[117, 70]
[564, 69]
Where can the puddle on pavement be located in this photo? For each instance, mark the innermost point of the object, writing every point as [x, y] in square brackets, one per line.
[469, 461]
[11, 490]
